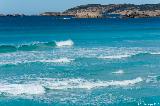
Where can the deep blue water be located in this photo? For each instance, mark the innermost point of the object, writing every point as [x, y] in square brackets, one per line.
[48, 61]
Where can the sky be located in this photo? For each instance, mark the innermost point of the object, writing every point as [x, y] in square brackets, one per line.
[39, 6]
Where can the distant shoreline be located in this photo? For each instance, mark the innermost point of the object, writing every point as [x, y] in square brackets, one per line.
[105, 11]
[67, 17]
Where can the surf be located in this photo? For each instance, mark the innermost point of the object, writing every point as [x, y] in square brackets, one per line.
[127, 56]
[6, 48]
[40, 85]
[21, 89]
[67, 43]
[114, 57]
[118, 72]
[64, 84]
[63, 60]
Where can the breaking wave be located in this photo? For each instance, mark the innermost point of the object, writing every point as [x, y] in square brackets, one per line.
[87, 84]
[64, 43]
[41, 85]
[34, 46]
[118, 72]
[20, 89]
[25, 47]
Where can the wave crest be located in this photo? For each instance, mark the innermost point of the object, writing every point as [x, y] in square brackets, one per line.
[40, 86]
[60, 60]
[115, 57]
[118, 72]
[85, 84]
[20, 89]
[64, 43]
[35, 46]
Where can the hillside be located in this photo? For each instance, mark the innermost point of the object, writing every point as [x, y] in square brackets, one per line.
[119, 10]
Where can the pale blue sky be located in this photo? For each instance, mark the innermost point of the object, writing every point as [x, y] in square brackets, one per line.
[38, 6]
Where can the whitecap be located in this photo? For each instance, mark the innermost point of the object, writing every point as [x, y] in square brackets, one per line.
[115, 57]
[86, 84]
[118, 72]
[39, 86]
[20, 89]
[17, 62]
[61, 60]
[155, 53]
[64, 43]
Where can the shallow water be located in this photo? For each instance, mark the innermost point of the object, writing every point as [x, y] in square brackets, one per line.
[49, 61]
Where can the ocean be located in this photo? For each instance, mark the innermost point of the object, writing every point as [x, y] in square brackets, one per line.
[57, 61]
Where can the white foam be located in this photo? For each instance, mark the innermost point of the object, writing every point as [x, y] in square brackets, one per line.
[86, 84]
[155, 53]
[19, 89]
[9, 62]
[115, 57]
[118, 72]
[39, 86]
[64, 43]
[60, 60]
[66, 18]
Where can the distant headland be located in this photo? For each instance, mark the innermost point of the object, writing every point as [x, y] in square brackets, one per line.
[106, 11]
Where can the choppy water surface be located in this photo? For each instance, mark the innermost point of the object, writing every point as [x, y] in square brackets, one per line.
[49, 61]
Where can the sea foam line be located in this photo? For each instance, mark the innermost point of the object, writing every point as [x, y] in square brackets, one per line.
[39, 86]
[87, 84]
[115, 56]
[61, 60]
[16, 62]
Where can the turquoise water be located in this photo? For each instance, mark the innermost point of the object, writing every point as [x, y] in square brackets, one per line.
[48, 61]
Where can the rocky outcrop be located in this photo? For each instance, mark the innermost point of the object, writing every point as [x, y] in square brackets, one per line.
[122, 10]
[86, 11]
[135, 13]
[88, 15]
[141, 14]
[99, 11]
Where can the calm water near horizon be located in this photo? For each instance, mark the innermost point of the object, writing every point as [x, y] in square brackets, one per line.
[48, 61]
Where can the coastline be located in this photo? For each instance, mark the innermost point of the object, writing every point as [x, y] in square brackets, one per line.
[104, 11]
[69, 17]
